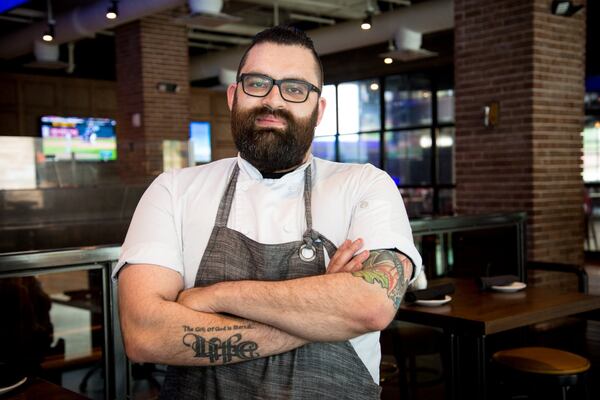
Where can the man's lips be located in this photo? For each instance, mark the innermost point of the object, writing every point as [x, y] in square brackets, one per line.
[270, 121]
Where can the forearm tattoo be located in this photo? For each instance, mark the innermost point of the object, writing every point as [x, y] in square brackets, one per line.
[218, 350]
[386, 268]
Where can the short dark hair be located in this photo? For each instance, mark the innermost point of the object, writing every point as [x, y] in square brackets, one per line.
[284, 35]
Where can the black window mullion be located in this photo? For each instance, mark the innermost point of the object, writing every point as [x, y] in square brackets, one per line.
[382, 150]
[337, 126]
[434, 149]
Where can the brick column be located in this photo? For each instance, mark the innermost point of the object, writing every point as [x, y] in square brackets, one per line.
[530, 62]
[150, 51]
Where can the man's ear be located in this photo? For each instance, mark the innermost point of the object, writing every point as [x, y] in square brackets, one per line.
[321, 108]
[230, 95]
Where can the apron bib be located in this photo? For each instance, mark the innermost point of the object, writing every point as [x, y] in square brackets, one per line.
[313, 371]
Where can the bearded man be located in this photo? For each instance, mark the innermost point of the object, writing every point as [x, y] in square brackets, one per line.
[269, 275]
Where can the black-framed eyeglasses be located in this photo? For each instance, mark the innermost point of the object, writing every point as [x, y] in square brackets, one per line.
[292, 90]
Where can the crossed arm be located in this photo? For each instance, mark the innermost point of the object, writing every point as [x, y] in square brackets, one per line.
[358, 294]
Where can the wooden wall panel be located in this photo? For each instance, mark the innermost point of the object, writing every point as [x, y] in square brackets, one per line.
[200, 104]
[8, 93]
[219, 104]
[25, 98]
[104, 99]
[76, 99]
[211, 106]
[39, 94]
[9, 123]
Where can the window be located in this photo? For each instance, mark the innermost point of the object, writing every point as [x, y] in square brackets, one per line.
[407, 101]
[360, 148]
[324, 147]
[403, 124]
[328, 125]
[591, 150]
[359, 106]
[445, 104]
[408, 156]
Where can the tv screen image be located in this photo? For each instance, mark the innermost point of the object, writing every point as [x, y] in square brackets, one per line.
[85, 139]
[200, 140]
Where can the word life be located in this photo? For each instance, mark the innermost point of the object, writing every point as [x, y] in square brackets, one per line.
[217, 350]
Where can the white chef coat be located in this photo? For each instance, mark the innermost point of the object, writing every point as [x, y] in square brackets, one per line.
[173, 221]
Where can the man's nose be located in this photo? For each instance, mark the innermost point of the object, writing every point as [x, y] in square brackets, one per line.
[274, 99]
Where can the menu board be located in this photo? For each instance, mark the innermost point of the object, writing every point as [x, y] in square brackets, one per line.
[17, 163]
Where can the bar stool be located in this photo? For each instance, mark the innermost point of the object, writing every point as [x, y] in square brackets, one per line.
[542, 367]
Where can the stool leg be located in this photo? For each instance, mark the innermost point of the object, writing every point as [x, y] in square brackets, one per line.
[412, 371]
[402, 376]
[586, 387]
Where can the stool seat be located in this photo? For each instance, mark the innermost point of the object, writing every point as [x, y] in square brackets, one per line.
[542, 360]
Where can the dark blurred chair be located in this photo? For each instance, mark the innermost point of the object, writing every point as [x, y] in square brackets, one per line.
[554, 332]
[407, 341]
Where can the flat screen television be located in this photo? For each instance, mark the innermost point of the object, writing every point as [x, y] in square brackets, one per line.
[200, 140]
[84, 139]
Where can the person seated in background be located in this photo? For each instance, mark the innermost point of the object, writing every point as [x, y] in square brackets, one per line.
[268, 275]
[26, 332]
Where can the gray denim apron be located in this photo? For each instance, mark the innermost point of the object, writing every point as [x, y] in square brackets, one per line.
[311, 372]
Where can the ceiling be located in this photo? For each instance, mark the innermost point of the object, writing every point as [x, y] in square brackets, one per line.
[94, 57]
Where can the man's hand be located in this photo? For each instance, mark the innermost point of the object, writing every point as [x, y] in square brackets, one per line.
[344, 259]
[198, 299]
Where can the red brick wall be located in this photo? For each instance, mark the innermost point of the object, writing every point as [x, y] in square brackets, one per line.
[531, 62]
[149, 51]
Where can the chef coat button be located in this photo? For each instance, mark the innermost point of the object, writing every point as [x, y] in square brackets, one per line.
[244, 186]
[287, 228]
[364, 204]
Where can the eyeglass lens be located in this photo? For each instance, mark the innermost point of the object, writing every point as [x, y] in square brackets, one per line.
[290, 90]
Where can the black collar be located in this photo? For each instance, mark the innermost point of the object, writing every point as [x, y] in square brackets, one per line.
[274, 175]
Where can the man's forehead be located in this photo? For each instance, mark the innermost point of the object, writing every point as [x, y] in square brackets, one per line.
[282, 61]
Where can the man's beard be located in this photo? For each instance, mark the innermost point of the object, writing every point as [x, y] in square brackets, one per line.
[272, 149]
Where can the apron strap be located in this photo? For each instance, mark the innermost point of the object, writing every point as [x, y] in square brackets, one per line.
[307, 197]
[311, 236]
[227, 199]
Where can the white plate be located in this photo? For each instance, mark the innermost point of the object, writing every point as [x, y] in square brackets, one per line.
[16, 385]
[434, 303]
[513, 287]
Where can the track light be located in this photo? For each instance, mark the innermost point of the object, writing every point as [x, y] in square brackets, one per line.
[391, 48]
[113, 10]
[49, 34]
[564, 8]
[367, 22]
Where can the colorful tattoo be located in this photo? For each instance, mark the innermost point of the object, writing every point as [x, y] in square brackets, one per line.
[386, 267]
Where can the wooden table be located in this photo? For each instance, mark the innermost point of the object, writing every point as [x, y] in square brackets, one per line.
[36, 389]
[473, 314]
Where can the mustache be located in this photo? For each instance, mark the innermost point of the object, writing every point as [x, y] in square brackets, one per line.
[266, 111]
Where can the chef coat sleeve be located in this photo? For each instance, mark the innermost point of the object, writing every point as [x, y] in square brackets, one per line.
[153, 237]
[379, 217]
